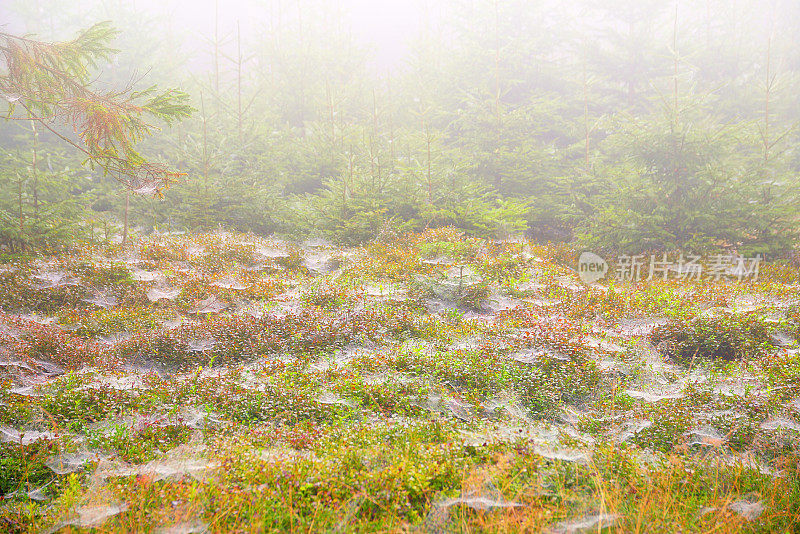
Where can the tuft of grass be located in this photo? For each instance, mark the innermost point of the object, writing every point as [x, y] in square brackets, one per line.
[728, 337]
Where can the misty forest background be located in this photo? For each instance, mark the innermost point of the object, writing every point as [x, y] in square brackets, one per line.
[624, 125]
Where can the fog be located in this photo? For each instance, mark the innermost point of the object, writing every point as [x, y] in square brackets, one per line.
[541, 116]
[387, 27]
[400, 266]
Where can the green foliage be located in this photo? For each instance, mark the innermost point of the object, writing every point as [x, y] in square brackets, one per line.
[51, 82]
[686, 183]
[139, 445]
[727, 337]
[22, 466]
[349, 406]
[618, 140]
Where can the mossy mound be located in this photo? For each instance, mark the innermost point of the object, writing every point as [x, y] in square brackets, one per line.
[727, 337]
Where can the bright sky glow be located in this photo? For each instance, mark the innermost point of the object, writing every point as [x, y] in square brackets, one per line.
[387, 26]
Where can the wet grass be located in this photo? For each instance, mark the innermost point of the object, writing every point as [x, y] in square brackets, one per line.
[435, 383]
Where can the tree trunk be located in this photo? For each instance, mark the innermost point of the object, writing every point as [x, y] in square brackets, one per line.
[125, 225]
